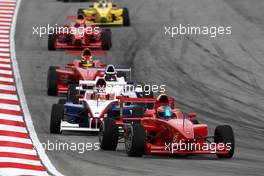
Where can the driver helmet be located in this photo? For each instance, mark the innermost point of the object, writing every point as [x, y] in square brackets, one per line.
[164, 112]
[80, 20]
[86, 60]
[103, 4]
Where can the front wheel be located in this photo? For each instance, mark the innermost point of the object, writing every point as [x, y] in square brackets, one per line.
[108, 134]
[51, 41]
[106, 39]
[125, 15]
[224, 134]
[80, 12]
[57, 114]
[135, 140]
[52, 81]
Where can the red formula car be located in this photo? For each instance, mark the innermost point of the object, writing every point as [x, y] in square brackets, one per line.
[85, 68]
[163, 130]
[79, 35]
[59, 81]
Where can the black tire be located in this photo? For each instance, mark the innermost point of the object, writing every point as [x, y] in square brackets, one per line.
[125, 15]
[62, 101]
[224, 134]
[72, 92]
[135, 140]
[195, 121]
[51, 41]
[108, 134]
[80, 12]
[52, 81]
[65, 0]
[57, 114]
[106, 39]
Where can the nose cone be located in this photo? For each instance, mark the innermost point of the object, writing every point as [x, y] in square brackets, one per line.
[184, 126]
[103, 14]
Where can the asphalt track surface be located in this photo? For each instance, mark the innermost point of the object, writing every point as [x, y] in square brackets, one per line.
[222, 79]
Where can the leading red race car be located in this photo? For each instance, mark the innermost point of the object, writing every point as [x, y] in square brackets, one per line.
[79, 35]
[163, 130]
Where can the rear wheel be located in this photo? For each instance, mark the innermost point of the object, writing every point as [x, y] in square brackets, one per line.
[80, 12]
[51, 41]
[195, 121]
[72, 92]
[106, 39]
[125, 15]
[52, 81]
[224, 134]
[62, 101]
[108, 134]
[57, 114]
[135, 140]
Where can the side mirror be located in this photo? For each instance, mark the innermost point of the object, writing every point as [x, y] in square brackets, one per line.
[192, 115]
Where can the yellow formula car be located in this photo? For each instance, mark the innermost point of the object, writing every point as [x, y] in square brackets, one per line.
[105, 13]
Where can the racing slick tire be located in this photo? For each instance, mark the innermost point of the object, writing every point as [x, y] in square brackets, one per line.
[57, 114]
[125, 15]
[195, 121]
[51, 41]
[72, 92]
[224, 134]
[106, 39]
[52, 81]
[135, 140]
[62, 101]
[80, 12]
[108, 134]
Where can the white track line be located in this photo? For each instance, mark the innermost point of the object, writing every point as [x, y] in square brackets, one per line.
[4, 54]
[5, 65]
[5, 60]
[6, 79]
[33, 135]
[10, 107]
[4, 40]
[21, 161]
[6, 87]
[15, 139]
[4, 45]
[13, 128]
[11, 117]
[8, 97]
[18, 150]
[14, 171]
[4, 49]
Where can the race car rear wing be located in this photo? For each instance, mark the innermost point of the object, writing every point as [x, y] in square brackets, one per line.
[124, 100]
[123, 69]
[93, 83]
